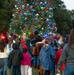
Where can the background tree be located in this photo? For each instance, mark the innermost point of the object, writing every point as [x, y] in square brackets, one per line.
[61, 16]
[35, 15]
[6, 7]
[71, 13]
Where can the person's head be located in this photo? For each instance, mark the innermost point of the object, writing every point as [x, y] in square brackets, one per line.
[14, 36]
[25, 50]
[48, 40]
[31, 36]
[10, 40]
[11, 34]
[62, 45]
[23, 41]
[71, 37]
[36, 32]
[15, 46]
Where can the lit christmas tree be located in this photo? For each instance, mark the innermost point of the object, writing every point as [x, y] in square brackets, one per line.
[33, 15]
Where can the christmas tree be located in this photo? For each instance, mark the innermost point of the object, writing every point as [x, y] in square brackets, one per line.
[33, 15]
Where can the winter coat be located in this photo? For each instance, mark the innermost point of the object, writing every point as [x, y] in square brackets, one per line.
[26, 59]
[36, 39]
[15, 56]
[58, 54]
[23, 45]
[46, 56]
[67, 56]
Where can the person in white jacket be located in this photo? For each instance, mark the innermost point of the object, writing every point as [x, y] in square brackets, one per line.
[3, 57]
[4, 52]
[9, 50]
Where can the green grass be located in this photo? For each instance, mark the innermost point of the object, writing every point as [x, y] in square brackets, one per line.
[35, 71]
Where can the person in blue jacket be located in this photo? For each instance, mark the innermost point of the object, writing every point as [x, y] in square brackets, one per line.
[47, 54]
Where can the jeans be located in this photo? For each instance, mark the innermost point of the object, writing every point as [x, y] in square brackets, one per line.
[3, 71]
[16, 70]
[5, 66]
[53, 69]
[69, 70]
[36, 61]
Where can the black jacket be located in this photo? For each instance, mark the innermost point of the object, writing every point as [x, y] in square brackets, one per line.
[38, 38]
[15, 57]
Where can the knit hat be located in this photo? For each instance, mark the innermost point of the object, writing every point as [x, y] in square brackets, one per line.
[23, 41]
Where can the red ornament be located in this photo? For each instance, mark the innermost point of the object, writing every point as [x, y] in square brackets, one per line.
[36, 4]
[39, 12]
[19, 11]
[21, 7]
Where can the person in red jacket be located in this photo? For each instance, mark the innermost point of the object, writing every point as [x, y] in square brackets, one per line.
[24, 45]
[25, 63]
[58, 54]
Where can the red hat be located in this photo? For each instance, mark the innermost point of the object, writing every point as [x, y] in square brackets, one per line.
[22, 41]
[25, 46]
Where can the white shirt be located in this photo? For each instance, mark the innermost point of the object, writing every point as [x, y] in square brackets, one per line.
[4, 54]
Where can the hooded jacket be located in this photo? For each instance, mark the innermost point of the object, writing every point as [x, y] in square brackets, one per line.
[16, 55]
[23, 45]
[45, 57]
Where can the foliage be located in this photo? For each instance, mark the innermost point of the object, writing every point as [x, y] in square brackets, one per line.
[62, 16]
[5, 14]
[36, 15]
[71, 13]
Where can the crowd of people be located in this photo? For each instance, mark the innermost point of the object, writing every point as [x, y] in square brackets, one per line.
[52, 54]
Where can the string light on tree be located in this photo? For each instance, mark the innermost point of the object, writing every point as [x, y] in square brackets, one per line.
[32, 15]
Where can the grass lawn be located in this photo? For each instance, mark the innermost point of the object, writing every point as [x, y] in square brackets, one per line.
[35, 71]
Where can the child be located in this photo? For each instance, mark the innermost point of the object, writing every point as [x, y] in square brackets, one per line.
[15, 58]
[25, 63]
[58, 54]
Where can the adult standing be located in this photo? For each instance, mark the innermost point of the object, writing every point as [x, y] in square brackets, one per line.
[3, 58]
[9, 49]
[68, 56]
[47, 53]
[38, 38]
